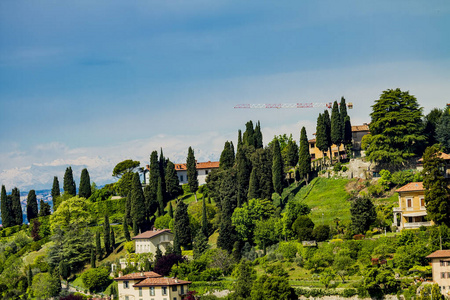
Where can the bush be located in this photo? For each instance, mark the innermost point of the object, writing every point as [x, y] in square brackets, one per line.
[186, 189]
[321, 233]
[347, 293]
[288, 249]
[344, 169]
[376, 190]
[337, 167]
[94, 279]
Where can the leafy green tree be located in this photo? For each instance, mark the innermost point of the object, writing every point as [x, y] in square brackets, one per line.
[45, 286]
[192, 172]
[227, 156]
[73, 210]
[246, 275]
[437, 193]
[304, 227]
[430, 122]
[443, 130]
[163, 222]
[304, 161]
[342, 265]
[44, 208]
[85, 184]
[138, 203]
[16, 206]
[126, 232]
[7, 214]
[55, 192]
[277, 168]
[336, 127]
[64, 269]
[172, 181]
[265, 233]
[396, 129]
[321, 233]
[69, 183]
[200, 244]
[379, 281]
[123, 186]
[32, 206]
[182, 225]
[294, 210]
[95, 278]
[271, 288]
[106, 235]
[126, 166]
[363, 214]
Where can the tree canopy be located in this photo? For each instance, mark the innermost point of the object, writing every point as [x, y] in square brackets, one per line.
[126, 166]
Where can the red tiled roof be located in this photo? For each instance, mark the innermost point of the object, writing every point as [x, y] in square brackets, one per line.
[363, 127]
[151, 233]
[138, 276]
[445, 156]
[312, 141]
[439, 253]
[160, 281]
[412, 186]
[199, 166]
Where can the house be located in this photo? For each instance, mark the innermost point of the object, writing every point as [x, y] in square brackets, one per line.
[411, 211]
[150, 286]
[149, 241]
[203, 169]
[358, 132]
[316, 153]
[445, 157]
[440, 263]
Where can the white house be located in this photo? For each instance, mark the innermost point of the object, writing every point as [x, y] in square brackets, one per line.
[150, 286]
[149, 241]
[440, 263]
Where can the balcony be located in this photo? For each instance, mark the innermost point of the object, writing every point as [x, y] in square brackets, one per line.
[397, 209]
[416, 224]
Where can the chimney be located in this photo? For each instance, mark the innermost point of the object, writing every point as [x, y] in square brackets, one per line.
[120, 274]
[142, 274]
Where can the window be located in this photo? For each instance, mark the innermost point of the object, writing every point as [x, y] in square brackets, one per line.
[174, 298]
[313, 145]
[448, 274]
[174, 288]
[422, 202]
[409, 203]
[181, 178]
[152, 291]
[182, 290]
[126, 298]
[164, 290]
[140, 292]
[206, 172]
[442, 274]
[125, 284]
[442, 263]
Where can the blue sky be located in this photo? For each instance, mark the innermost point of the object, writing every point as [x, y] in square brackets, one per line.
[90, 83]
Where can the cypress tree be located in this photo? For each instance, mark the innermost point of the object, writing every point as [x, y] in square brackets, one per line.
[226, 157]
[226, 237]
[291, 153]
[7, 214]
[336, 128]
[106, 235]
[32, 206]
[304, 161]
[158, 254]
[162, 172]
[126, 232]
[16, 206]
[135, 228]
[64, 269]
[277, 168]
[262, 161]
[239, 139]
[98, 244]
[258, 136]
[182, 225]
[127, 216]
[192, 172]
[209, 199]
[85, 184]
[327, 124]
[55, 192]
[154, 174]
[345, 123]
[69, 183]
[200, 244]
[138, 211]
[29, 276]
[244, 168]
[160, 197]
[253, 189]
[93, 258]
[112, 239]
[44, 208]
[204, 219]
[321, 139]
[176, 244]
[172, 182]
[35, 228]
[227, 193]
[249, 134]
[170, 210]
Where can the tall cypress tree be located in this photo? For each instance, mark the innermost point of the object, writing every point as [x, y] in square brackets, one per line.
[138, 203]
[239, 139]
[291, 159]
[16, 206]
[336, 128]
[127, 215]
[345, 123]
[106, 235]
[98, 244]
[327, 124]
[32, 206]
[85, 184]
[126, 232]
[204, 219]
[112, 239]
[226, 157]
[249, 134]
[258, 136]
[55, 192]
[277, 168]
[44, 209]
[192, 172]
[244, 168]
[262, 161]
[176, 244]
[7, 214]
[154, 175]
[182, 225]
[162, 173]
[304, 161]
[170, 210]
[172, 182]
[93, 258]
[253, 188]
[69, 183]
[160, 197]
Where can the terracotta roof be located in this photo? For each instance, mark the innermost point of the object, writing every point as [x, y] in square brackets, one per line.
[151, 233]
[312, 141]
[439, 253]
[138, 276]
[445, 156]
[363, 127]
[160, 281]
[412, 186]
[199, 166]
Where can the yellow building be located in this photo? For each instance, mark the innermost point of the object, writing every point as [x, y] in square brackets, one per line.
[150, 286]
[440, 262]
[316, 153]
[411, 211]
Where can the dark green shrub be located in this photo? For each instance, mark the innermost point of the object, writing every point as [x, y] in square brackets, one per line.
[347, 293]
[321, 233]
